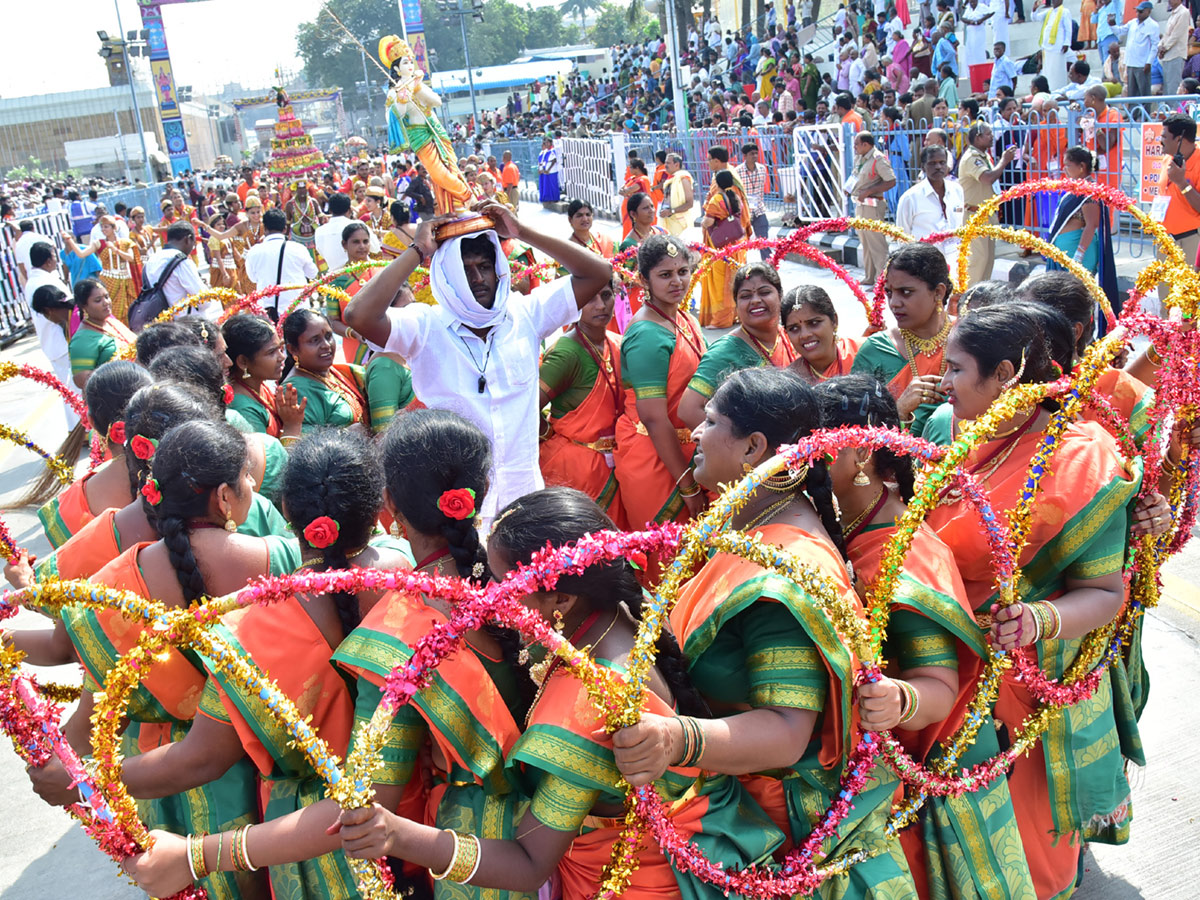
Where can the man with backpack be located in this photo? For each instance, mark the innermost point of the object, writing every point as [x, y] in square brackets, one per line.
[170, 272]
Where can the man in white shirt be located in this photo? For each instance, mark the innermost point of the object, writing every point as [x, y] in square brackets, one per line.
[1081, 79]
[1141, 43]
[276, 260]
[329, 236]
[934, 204]
[184, 280]
[28, 238]
[857, 73]
[52, 335]
[476, 352]
[1173, 48]
[1054, 40]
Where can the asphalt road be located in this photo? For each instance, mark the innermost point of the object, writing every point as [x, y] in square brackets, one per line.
[46, 856]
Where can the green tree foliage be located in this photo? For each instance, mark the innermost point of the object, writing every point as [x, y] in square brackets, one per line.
[546, 28]
[620, 25]
[579, 9]
[332, 59]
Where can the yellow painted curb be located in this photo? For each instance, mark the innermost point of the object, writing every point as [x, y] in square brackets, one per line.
[1180, 594]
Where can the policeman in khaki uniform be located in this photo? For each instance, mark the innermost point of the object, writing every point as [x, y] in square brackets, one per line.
[872, 178]
[979, 175]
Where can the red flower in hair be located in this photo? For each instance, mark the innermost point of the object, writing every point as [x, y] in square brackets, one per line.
[227, 394]
[143, 447]
[458, 503]
[151, 492]
[638, 560]
[321, 532]
[116, 432]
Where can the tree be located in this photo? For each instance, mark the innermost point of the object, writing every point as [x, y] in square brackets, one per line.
[614, 26]
[579, 8]
[332, 59]
[545, 27]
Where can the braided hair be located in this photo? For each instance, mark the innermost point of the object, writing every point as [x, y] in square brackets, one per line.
[152, 412]
[427, 452]
[864, 400]
[335, 473]
[192, 460]
[782, 407]
[559, 515]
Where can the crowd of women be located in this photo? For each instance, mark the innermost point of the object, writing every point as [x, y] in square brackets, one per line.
[498, 778]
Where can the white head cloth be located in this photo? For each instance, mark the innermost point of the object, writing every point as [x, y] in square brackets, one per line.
[449, 284]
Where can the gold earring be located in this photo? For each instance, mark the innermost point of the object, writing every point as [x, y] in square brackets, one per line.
[558, 621]
[230, 525]
[747, 468]
[394, 529]
[861, 479]
[245, 376]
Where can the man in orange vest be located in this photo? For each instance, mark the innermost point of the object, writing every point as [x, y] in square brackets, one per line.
[510, 180]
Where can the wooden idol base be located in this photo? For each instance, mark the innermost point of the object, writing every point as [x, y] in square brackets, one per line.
[470, 223]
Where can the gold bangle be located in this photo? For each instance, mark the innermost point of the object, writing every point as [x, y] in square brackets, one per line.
[288, 440]
[693, 492]
[438, 876]
[1152, 355]
[196, 849]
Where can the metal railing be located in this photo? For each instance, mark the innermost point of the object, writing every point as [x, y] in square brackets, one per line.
[1042, 144]
[15, 317]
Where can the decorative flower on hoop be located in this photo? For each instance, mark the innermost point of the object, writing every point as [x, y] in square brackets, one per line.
[143, 447]
[322, 532]
[457, 503]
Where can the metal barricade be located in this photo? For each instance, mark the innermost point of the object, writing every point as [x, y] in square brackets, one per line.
[15, 317]
[587, 173]
[148, 198]
[819, 171]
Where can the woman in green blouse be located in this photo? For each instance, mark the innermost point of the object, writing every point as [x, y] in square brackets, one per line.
[758, 341]
[330, 393]
[101, 335]
[257, 355]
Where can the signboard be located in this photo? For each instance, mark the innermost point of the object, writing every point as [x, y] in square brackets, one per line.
[1152, 161]
[414, 32]
[164, 83]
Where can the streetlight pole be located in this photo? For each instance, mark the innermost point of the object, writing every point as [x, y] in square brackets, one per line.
[462, 24]
[680, 103]
[137, 113]
[367, 87]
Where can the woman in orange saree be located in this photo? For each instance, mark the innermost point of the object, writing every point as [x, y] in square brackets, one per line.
[764, 656]
[201, 481]
[580, 377]
[660, 351]
[454, 735]
[811, 324]
[581, 216]
[726, 200]
[106, 394]
[356, 241]
[1071, 787]
[576, 810]
[333, 492]
[640, 209]
[909, 358]
[966, 846]
[637, 181]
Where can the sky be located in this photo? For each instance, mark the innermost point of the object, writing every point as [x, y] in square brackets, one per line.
[211, 42]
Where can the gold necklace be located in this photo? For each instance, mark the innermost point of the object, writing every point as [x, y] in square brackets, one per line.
[760, 346]
[767, 514]
[601, 355]
[540, 672]
[866, 511]
[927, 346]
